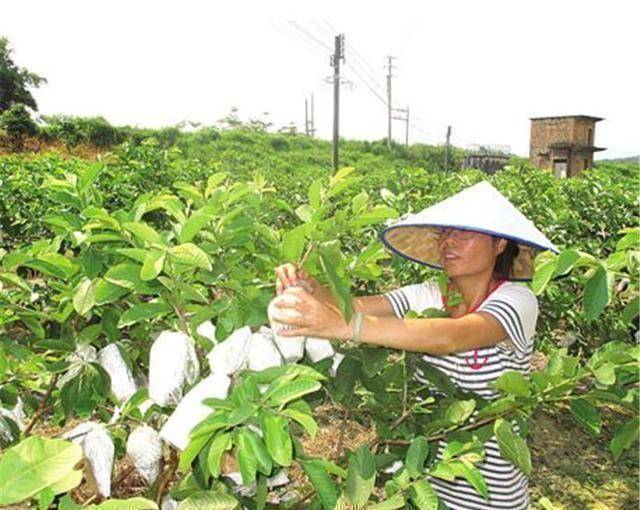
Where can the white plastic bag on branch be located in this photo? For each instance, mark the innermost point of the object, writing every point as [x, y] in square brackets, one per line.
[291, 347]
[262, 352]
[192, 411]
[337, 359]
[231, 355]
[122, 383]
[168, 503]
[16, 414]
[98, 450]
[144, 448]
[172, 362]
[207, 330]
[318, 349]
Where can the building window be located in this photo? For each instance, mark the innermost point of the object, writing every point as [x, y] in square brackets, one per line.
[560, 168]
[589, 137]
[586, 163]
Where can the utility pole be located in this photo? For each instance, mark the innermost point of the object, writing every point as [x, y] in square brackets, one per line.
[404, 119]
[312, 128]
[338, 54]
[446, 160]
[309, 124]
[389, 106]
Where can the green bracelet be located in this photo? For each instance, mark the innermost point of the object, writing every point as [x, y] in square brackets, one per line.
[357, 328]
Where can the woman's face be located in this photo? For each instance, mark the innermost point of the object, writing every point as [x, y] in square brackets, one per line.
[464, 252]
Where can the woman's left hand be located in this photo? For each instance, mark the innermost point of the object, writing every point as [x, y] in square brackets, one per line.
[317, 318]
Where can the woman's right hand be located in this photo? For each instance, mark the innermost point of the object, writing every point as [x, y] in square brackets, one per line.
[290, 274]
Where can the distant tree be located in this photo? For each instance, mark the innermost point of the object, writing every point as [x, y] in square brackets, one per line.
[15, 81]
[18, 124]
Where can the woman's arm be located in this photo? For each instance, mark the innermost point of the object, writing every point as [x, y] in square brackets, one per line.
[291, 275]
[433, 336]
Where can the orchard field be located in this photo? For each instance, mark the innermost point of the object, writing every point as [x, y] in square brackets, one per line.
[104, 257]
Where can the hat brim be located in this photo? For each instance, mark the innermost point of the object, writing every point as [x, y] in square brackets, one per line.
[419, 243]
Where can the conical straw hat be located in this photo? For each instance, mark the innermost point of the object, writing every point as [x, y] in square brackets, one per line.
[480, 208]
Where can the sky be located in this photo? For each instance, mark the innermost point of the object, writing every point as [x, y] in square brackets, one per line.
[482, 67]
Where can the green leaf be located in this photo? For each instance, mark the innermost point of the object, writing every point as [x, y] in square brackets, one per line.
[259, 450]
[305, 213]
[459, 411]
[586, 415]
[144, 232]
[394, 502]
[416, 456]
[293, 244]
[543, 274]
[597, 292]
[53, 264]
[306, 420]
[143, 312]
[361, 476]
[631, 311]
[473, 476]
[512, 447]
[36, 464]
[513, 383]
[293, 390]
[277, 438]
[209, 500]
[84, 296]
[193, 225]
[126, 504]
[152, 267]
[605, 374]
[423, 495]
[374, 215]
[624, 437]
[322, 483]
[106, 292]
[45, 498]
[247, 461]
[214, 182]
[338, 285]
[191, 255]
[220, 444]
[565, 262]
[315, 194]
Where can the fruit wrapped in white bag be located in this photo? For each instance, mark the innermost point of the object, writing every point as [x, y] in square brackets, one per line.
[192, 411]
[291, 347]
[172, 362]
[122, 382]
[231, 355]
[98, 450]
[144, 448]
[337, 359]
[207, 330]
[318, 349]
[262, 352]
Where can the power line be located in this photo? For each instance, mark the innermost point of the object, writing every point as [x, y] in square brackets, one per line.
[310, 36]
[297, 39]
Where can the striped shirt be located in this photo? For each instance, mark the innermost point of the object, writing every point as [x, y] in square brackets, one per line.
[515, 306]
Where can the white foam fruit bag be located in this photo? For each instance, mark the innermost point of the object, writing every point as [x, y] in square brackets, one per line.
[144, 448]
[172, 362]
[191, 411]
[122, 383]
[232, 354]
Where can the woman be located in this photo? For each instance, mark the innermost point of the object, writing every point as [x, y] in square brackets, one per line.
[485, 245]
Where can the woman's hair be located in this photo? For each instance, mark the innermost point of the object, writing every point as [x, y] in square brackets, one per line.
[504, 263]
